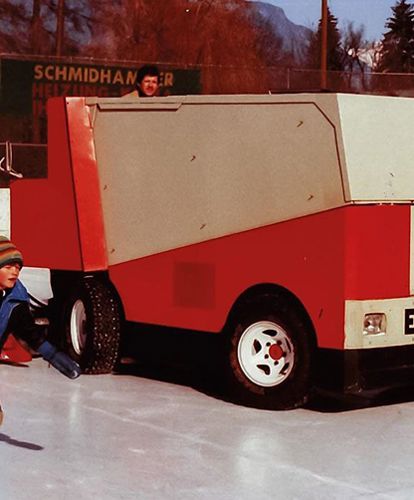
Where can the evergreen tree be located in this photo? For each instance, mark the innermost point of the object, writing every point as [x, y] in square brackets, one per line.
[397, 53]
[335, 58]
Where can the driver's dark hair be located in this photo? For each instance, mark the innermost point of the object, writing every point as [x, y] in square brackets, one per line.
[147, 70]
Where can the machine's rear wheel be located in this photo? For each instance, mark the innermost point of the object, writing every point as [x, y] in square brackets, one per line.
[92, 326]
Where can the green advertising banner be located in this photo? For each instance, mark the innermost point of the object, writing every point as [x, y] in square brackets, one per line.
[26, 85]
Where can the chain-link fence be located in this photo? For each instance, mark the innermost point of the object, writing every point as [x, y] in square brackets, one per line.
[236, 80]
[359, 82]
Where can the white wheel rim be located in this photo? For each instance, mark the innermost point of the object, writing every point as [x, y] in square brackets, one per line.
[78, 326]
[265, 353]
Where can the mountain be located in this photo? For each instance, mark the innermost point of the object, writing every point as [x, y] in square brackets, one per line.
[295, 38]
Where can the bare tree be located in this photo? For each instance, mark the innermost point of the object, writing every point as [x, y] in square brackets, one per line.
[354, 46]
[31, 27]
[191, 33]
[13, 27]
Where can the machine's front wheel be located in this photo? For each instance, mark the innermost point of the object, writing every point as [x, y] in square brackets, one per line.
[269, 354]
[92, 326]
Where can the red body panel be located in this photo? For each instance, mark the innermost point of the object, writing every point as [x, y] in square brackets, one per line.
[377, 243]
[323, 259]
[44, 219]
[57, 222]
[87, 191]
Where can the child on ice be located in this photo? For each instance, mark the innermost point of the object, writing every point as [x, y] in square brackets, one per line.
[15, 315]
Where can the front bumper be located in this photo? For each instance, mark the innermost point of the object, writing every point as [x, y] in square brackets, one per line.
[399, 323]
[357, 370]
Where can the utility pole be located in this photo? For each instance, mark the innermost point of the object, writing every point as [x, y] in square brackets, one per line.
[60, 26]
[324, 44]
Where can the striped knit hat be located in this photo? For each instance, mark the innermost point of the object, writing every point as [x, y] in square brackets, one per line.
[9, 252]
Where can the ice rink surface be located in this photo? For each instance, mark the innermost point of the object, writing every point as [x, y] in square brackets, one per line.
[140, 437]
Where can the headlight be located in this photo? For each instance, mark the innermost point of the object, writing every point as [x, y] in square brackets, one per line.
[375, 324]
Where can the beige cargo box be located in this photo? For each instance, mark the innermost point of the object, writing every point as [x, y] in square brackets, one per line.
[223, 164]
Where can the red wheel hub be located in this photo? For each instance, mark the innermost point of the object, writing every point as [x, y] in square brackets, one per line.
[275, 352]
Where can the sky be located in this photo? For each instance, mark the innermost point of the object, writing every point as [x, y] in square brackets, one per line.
[372, 14]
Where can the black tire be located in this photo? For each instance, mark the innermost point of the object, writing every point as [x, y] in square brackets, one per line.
[92, 326]
[269, 354]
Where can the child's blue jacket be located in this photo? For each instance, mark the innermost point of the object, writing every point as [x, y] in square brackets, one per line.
[16, 296]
